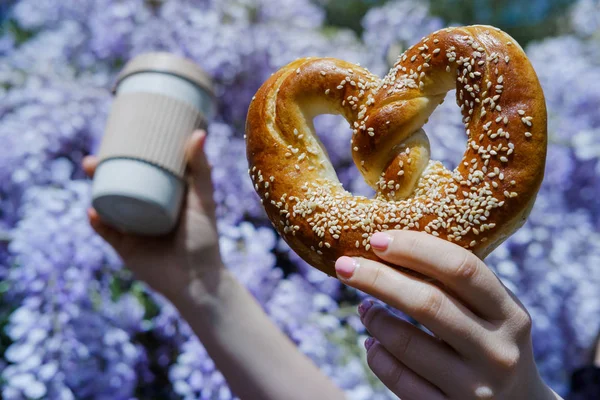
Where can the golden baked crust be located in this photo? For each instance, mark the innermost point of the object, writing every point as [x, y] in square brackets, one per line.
[478, 205]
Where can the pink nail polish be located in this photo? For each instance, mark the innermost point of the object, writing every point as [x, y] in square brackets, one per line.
[364, 306]
[380, 241]
[345, 267]
[369, 342]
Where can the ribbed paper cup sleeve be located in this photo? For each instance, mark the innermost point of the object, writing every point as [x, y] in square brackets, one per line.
[150, 127]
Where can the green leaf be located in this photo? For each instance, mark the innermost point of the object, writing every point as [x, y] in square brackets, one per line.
[21, 35]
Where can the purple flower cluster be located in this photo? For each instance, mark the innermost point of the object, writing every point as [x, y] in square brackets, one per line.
[82, 328]
[585, 17]
[65, 328]
[572, 91]
[47, 127]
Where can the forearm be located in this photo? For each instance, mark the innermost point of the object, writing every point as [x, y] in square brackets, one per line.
[256, 358]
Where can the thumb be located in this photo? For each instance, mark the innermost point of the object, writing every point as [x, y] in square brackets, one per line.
[195, 156]
[198, 165]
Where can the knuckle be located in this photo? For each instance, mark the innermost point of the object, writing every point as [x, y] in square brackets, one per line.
[395, 375]
[378, 322]
[372, 318]
[403, 346]
[377, 276]
[507, 359]
[413, 242]
[374, 358]
[389, 373]
[468, 268]
[431, 303]
[524, 320]
[523, 324]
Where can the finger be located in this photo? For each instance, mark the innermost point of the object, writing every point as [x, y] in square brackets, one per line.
[201, 189]
[89, 164]
[195, 156]
[112, 236]
[427, 356]
[463, 273]
[198, 165]
[443, 315]
[405, 383]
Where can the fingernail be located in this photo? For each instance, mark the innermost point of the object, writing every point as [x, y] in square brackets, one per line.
[345, 267]
[369, 342]
[364, 306]
[380, 241]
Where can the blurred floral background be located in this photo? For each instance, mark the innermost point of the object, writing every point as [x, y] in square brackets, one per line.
[73, 322]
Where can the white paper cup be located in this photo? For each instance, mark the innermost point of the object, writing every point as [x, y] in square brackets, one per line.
[139, 184]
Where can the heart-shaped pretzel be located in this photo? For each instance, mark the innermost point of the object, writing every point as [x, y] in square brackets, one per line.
[478, 205]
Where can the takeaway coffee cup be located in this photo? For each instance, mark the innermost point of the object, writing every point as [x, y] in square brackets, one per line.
[160, 99]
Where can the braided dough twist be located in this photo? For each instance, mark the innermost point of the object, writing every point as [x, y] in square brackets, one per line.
[478, 205]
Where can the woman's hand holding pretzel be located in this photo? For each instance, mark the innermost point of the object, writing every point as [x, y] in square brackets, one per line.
[482, 345]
